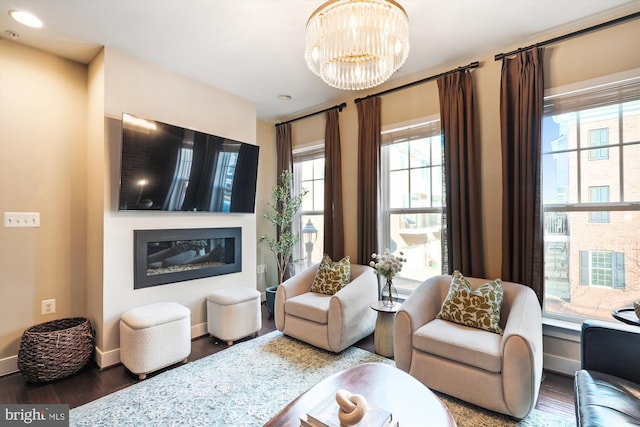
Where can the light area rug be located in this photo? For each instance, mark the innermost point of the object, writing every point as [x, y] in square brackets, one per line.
[246, 385]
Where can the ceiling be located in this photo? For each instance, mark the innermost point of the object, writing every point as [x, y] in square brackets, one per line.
[254, 48]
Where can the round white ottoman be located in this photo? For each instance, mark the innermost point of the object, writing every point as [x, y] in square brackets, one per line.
[155, 336]
[233, 313]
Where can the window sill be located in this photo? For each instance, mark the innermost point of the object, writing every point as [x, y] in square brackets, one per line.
[563, 329]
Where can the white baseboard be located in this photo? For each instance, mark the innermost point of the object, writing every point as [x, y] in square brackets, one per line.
[112, 357]
[560, 364]
[104, 359]
[8, 365]
[199, 330]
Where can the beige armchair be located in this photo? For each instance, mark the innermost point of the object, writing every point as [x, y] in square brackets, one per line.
[498, 372]
[332, 322]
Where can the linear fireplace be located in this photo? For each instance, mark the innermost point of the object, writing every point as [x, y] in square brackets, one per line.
[169, 256]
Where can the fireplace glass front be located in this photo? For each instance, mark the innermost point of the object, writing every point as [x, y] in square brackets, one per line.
[169, 256]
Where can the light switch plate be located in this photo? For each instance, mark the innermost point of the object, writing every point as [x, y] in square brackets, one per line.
[21, 219]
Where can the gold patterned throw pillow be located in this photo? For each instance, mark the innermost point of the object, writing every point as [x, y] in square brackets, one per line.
[331, 276]
[478, 308]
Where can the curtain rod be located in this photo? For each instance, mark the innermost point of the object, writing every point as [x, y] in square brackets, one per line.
[339, 107]
[475, 64]
[635, 15]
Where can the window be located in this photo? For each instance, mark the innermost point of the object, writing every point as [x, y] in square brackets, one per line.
[599, 194]
[602, 268]
[599, 138]
[412, 200]
[308, 173]
[591, 198]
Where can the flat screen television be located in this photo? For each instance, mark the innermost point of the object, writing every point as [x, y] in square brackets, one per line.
[169, 168]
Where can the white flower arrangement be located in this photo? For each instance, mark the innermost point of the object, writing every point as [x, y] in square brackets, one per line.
[387, 264]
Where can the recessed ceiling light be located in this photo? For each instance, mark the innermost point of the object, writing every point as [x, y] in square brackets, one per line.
[26, 18]
[285, 97]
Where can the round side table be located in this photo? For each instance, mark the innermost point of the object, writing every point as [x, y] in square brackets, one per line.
[383, 335]
[626, 315]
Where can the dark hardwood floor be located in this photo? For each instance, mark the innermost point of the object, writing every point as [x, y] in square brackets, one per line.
[556, 391]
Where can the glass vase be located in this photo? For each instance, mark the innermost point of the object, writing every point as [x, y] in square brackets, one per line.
[389, 294]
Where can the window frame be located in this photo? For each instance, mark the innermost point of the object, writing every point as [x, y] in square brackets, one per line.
[308, 152]
[599, 217]
[425, 127]
[625, 204]
[589, 268]
[600, 145]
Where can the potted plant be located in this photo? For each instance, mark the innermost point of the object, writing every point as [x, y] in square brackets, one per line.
[284, 207]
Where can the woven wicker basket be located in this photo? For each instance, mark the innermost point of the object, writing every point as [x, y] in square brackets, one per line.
[56, 349]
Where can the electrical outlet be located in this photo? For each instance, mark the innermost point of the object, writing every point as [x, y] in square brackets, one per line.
[48, 306]
[21, 219]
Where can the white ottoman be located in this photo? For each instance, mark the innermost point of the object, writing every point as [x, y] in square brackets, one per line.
[155, 336]
[233, 313]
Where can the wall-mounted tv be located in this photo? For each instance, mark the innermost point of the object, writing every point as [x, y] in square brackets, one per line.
[170, 168]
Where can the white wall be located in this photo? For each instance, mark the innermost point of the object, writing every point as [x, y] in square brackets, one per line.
[42, 169]
[143, 89]
[264, 192]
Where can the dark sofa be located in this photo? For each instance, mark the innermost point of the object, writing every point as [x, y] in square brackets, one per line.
[607, 388]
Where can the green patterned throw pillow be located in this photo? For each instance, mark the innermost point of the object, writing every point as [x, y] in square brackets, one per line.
[331, 276]
[478, 308]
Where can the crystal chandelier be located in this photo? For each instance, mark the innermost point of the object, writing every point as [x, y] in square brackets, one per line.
[357, 44]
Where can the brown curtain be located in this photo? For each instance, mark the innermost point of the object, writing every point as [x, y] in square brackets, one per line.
[463, 240]
[284, 161]
[521, 100]
[284, 153]
[333, 224]
[368, 172]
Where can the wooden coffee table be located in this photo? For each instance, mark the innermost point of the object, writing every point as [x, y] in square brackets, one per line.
[410, 401]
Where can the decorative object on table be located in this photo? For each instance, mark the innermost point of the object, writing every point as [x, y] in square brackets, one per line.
[56, 349]
[346, 409]
[284, 207]
[388, 265]
[391, 292]
[636, 307]
[352, 407]
[354, 45]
